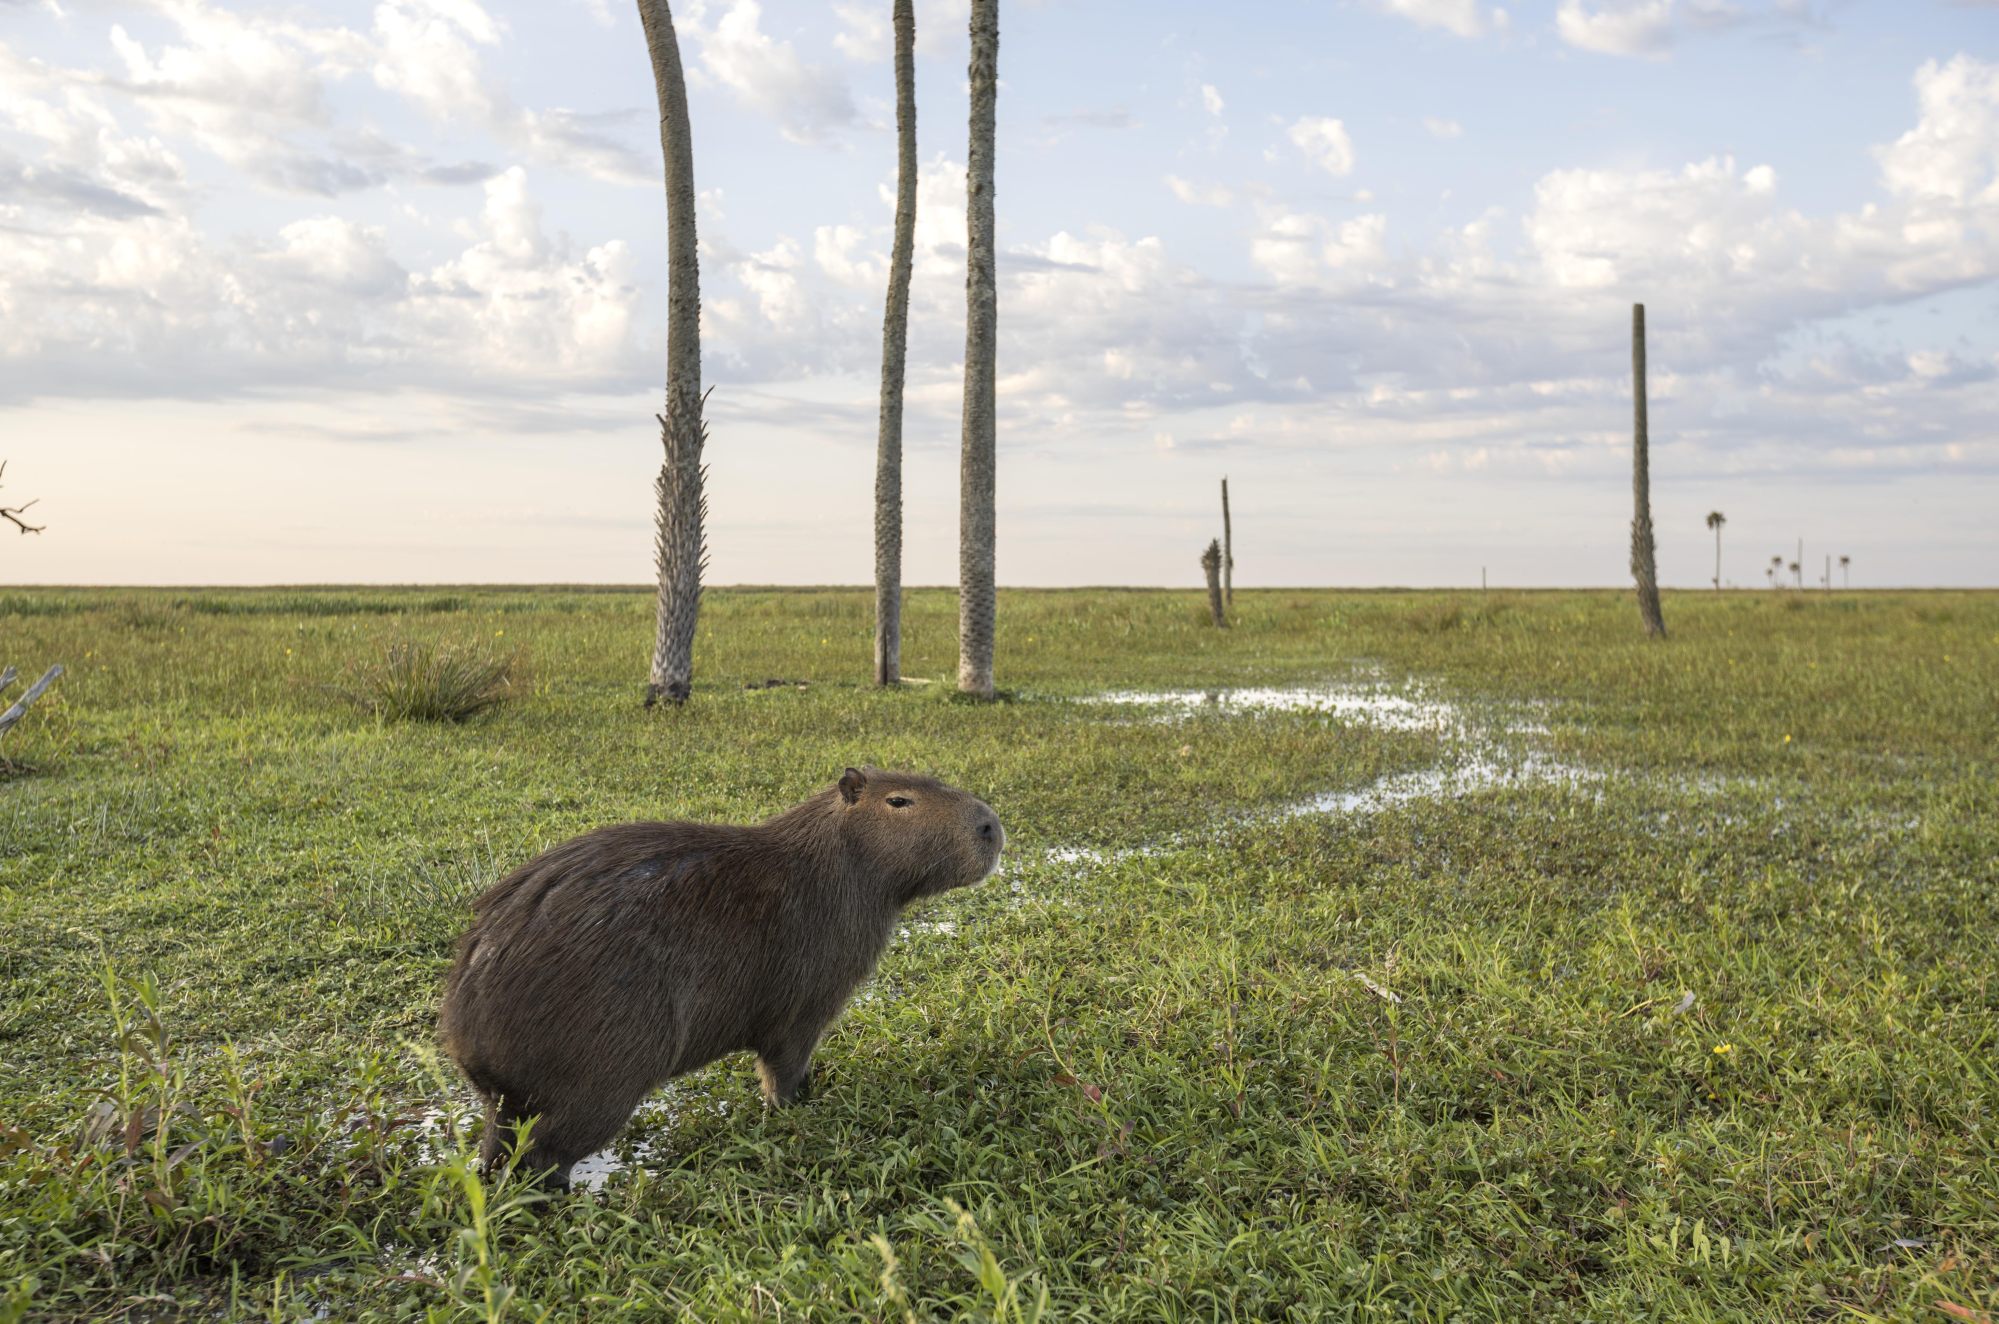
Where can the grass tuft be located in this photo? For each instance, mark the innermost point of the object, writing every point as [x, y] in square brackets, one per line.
[421, 682]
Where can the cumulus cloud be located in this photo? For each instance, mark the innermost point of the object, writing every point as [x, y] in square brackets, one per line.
[1617, 27]
[1211, 100]
[1324, 142]
[1653, 27]
[1952, 155]
[1463, 18]
[1302, 249]
[1200, 195]
[807, 101]
[148, 305]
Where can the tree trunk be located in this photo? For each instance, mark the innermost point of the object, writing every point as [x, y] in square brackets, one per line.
[895, 351]
[679, 550]
[1717, 558]
[1642, 565]
[1211, 563]
[975, 473]
[1228, 551]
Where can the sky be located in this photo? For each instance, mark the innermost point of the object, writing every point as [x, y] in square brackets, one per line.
[374, 292]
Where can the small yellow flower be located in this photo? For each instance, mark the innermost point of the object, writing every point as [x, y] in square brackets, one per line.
[288, 652]
[498, 633]
[1723, 1050]
[1787, 740]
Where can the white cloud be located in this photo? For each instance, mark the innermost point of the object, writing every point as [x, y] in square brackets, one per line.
[336, 254]
[425, 52]
[1460, 17]
[1303, 249]
[807, 101]
[1200, 195]
[1617, 27]
[1443, 128]
[1652, 27]
[1953, 153]
[835, 249]
[1325, 142]
[772, 276]
[1211, 100]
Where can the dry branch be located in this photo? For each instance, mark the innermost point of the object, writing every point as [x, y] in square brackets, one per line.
[12, 514]
[27, 701]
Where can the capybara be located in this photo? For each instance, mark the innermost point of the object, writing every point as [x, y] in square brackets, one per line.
[626, 956]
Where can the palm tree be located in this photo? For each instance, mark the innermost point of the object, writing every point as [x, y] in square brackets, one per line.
[1715, 519]
[1798, 573]
[1845, 571]
[1211, 566]
[895, 346]
[1776, 564]
[679, 550]
[1643, 567]
[975, 470]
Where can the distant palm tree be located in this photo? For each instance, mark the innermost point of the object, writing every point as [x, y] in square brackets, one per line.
[1211, 565]
[1776, 564]
[1715, 519]
[895, 348]
[1798, 573]
[976, 461]
[1845, 572]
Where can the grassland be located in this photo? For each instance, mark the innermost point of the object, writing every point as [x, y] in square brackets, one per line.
[1434, 1061]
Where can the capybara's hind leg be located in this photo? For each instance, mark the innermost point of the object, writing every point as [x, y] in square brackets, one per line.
[787, 1071]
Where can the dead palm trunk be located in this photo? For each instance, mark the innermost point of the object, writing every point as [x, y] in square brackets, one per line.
[1211, 563]
[975, 470]
[895, 350]
[678, 547]
[1642, 566]
[1228, 551]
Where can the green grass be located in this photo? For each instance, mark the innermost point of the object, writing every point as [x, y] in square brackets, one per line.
[1164, 1085]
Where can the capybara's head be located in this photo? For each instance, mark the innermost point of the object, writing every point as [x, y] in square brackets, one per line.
[922, 836]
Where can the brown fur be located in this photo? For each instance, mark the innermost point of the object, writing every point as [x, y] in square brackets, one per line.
[629, 955]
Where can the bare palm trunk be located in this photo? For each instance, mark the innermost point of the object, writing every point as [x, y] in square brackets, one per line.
[1228, 550]
[1211, 565]
[678, 547]
[975, 473]
[1642, 566]
[1717, 558]
[895, 350]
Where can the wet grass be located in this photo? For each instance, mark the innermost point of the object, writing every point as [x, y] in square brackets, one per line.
[1709, 1035]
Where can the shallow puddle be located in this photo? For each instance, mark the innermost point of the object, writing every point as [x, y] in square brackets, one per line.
[1376, 705]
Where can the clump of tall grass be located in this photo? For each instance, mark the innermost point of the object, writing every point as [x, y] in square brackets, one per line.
[420, 682]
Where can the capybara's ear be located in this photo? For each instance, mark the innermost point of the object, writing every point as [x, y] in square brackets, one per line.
[851, 783]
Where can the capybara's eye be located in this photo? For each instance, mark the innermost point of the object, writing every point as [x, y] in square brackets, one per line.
[898, 801]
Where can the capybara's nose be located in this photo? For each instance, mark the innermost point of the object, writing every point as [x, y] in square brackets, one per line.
[989, 830]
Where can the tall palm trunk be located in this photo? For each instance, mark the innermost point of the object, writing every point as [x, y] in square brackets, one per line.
[1228, 550]
[678, 547]
[975, 470]
[895, 350]
[1642, 567]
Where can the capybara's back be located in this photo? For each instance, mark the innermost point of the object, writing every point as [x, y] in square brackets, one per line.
[621, 958]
